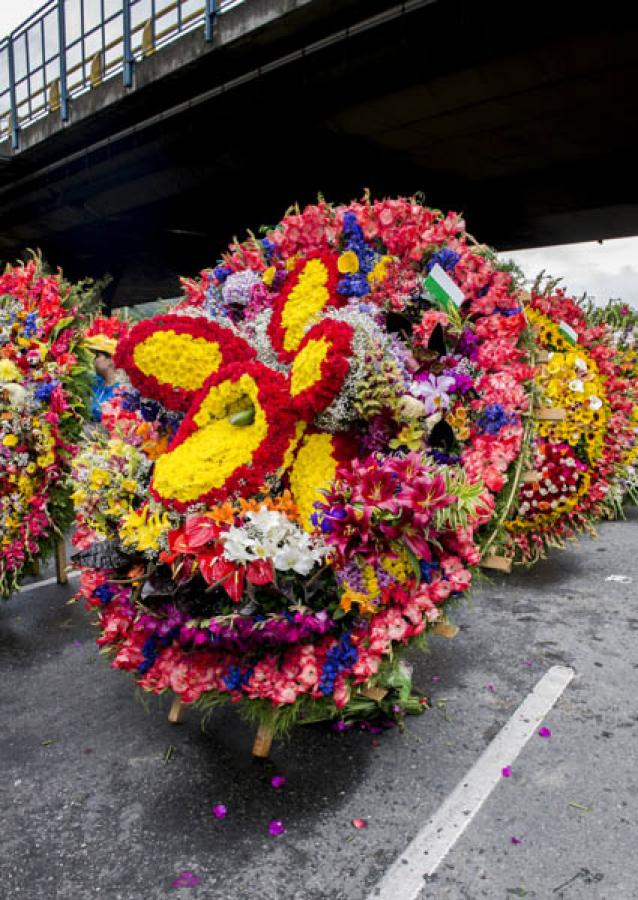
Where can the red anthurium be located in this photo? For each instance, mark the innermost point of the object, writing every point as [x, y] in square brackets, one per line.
[260, 571]
[199, 531]
[215, 569]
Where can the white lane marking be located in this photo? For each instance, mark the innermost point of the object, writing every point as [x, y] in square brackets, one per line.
[404, 880]
[74, 573]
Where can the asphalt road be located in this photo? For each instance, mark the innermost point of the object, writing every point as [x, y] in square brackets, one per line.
[90, 806]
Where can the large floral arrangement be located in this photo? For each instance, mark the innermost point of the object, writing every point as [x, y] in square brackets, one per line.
[578, 455]
[44, 386]
[623, 322]
[336, 410]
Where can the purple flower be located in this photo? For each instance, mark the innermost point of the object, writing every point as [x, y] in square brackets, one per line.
[434, 392]
[462, 381]
[341, 726]
[219, 811]
[237, 287]
[276, 827]
[544, 732]
[278, 781]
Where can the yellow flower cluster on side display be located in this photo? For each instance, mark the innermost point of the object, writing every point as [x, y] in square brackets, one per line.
[571, 381]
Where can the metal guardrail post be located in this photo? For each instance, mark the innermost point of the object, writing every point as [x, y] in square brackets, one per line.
[129, 59]
[64, 95]
[15, 131]
[209, 19]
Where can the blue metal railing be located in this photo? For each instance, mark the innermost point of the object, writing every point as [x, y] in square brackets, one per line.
[68, 47]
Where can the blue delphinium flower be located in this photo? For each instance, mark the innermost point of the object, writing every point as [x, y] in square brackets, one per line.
[356, 285]
[427, 569]
[342, 656]
[221, 273]
[445, 258]
[493, 418]
[30, 326]
[43, 391]
[105, 593]
[234, 679]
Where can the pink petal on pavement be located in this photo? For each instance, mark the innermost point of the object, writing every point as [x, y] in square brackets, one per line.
[186, 879]
[278, 781]
[516, 840]
[219, 811]
[544, 732]
[359, 823]
[506, 772]
[491, 688]
[276, 827]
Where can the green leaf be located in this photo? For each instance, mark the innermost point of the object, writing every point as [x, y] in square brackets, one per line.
[416, 567]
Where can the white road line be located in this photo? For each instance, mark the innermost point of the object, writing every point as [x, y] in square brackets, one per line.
[404, 880]
[38, 584]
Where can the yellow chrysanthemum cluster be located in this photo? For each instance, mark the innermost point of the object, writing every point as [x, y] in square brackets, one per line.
[304, 303]
[184, 361]
[207, 458]
[314, 468]
[306, 368]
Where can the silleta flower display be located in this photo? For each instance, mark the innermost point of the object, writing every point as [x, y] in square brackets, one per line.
[622, 321]
[45, 376]
[308, 463]
[579, 453]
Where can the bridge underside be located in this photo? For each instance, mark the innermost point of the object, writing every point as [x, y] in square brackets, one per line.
[531, 131]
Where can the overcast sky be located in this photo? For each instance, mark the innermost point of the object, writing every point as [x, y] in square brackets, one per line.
[602, 270]
[12, 15]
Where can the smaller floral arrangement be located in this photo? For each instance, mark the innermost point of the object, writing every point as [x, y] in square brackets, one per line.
[622, 319]
[578, 445]
[45, 378]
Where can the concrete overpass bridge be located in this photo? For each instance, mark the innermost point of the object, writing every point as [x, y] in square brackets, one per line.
[137, 136]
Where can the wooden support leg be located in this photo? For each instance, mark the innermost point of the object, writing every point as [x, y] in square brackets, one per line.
[176, 712]
[263, 741]
[61, 563]
[498, 563]
[36, 567]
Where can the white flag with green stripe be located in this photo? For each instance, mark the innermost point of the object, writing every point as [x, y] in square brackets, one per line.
[445, 291]
[568, 333]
